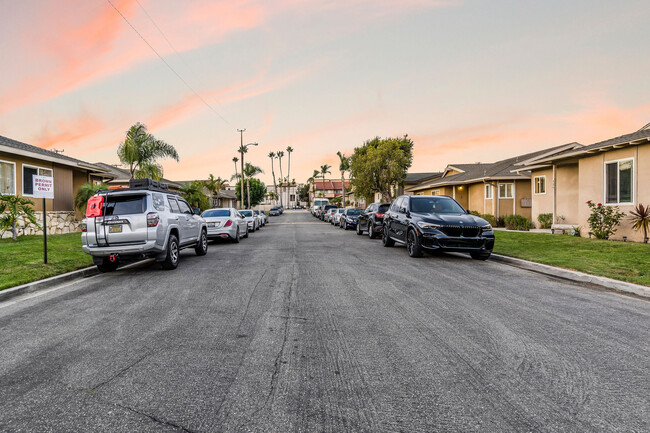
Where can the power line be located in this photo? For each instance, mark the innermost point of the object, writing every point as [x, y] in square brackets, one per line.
[167, 64]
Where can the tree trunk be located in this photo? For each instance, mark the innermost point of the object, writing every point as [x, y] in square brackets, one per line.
[280, 159]
[14, 236]
[275, 186]
[289, 180]
[343, 188]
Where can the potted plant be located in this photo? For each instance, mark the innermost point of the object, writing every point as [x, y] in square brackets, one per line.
[640, 217]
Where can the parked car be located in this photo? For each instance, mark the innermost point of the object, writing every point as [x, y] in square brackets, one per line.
[336, 218]
[266, 217]
[348, 219]
[251, 219]
[275, 211]
[372, 219]
[323, 211]
[317, 205]
[145, 220]
[328, 215]
[260, 217]
[225, 223]
[436, 223]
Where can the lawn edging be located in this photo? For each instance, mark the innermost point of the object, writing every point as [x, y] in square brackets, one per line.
[46, 283]
[580, 277]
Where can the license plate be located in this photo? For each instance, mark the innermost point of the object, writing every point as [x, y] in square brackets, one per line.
[210, 224]
[115, 228]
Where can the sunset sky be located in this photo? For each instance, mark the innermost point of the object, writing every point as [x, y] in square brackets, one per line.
[467, 80]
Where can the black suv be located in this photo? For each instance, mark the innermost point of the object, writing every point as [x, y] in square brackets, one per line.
[372, 219]
[436, 223]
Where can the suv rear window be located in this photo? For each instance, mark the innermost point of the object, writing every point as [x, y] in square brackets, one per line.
[125, 204]
[383, 207]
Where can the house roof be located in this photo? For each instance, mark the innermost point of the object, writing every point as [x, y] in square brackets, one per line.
[121, 175]
[330, 184]
[500, 170]
[414, 178]
[17, 147]
[639, 137]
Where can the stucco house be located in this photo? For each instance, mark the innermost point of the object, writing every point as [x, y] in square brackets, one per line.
[489, 188]
[19, 162]
[614, 172]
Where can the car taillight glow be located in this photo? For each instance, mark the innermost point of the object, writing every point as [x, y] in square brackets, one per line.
[379, 214]
[228, 223]
[152, 219]
[84, 227]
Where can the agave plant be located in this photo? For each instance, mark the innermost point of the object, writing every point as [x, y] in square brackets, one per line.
[640, 217]
[14, 206]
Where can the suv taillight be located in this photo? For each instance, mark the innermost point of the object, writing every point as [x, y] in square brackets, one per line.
[379, 214]
[152, 219]
[84, 227]
[228, 223]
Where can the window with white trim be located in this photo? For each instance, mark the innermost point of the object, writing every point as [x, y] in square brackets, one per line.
[488, 192]
[505, 190]
[29, 171]
[540, 184]
[435, 192]
[619, 181]
[7, 177]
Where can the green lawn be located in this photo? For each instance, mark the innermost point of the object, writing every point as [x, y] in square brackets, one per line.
[628, 261]
[22, 262]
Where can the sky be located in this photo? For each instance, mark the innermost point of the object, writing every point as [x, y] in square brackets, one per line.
[468, 81]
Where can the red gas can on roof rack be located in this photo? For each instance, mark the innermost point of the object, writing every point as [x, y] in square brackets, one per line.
[94, 207]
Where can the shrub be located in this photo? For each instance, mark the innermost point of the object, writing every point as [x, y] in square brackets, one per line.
[15, 205]
[604, 219]
[545, 220]
[517, 222]
[640, 218]
[501, 222]
[489, 218]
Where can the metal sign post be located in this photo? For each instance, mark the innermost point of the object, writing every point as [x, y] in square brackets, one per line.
[44, 188]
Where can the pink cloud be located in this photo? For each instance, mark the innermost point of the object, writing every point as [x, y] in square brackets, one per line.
[68, 132]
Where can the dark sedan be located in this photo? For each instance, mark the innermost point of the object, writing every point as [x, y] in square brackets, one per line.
[436, 223]
[372, 219]
[349, 218]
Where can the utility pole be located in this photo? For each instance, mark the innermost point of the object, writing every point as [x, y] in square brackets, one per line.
[241, 151]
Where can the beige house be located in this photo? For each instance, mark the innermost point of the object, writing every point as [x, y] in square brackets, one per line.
[614, 172]
[489, 188]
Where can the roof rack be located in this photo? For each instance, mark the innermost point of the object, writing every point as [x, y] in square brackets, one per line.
[143, 185]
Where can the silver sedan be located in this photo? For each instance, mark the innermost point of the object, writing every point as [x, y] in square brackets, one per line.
[225, 223]
[251, 219]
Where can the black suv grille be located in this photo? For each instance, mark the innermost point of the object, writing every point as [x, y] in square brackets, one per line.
[461, 231]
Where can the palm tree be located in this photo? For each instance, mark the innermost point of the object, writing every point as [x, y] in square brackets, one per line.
[343, 167]
[275, 186]
[140, 150]
[193, 193]
[289, 150]
[15, 206]
[325, 169]
[280, 155]
[235, 176]
[214, 185]
[312, 180]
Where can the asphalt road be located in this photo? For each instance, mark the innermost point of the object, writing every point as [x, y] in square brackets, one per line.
[306, 327]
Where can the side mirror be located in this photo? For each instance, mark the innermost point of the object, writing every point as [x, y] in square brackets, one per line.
[468, 212]
[197, 211]
[402, 210]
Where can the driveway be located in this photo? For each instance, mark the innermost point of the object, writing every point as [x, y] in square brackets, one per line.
[306, 327]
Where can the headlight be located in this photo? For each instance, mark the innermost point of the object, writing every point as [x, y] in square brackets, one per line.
[486, 227]
[425, 225]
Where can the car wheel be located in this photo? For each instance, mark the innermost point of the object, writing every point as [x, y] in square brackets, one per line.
[171, 260]
[201, 248]
[481, 255]
[359, 231]
[371, 230]
[413, 245]
[236, 239]
[385, 240]
[107, 266]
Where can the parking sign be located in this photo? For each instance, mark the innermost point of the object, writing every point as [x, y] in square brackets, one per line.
[43, 186]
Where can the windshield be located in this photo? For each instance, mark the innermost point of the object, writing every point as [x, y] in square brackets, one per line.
[353, 212]
[340, 210]
[246, 213]
[435, 205]
[216, 213]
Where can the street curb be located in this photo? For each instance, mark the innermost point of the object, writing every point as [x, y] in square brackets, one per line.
[580, 277]
[39, 285]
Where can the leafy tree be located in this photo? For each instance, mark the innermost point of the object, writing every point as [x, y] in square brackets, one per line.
[84, 192]
[193, 193]
[14, 205]
[214, 186]
[140, 150]
[379, 165]
[257, 193]
[303, 192]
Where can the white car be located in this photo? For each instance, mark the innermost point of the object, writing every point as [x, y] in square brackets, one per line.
[261, 217]
[335, 219]
[225, 223]
[251, 220]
